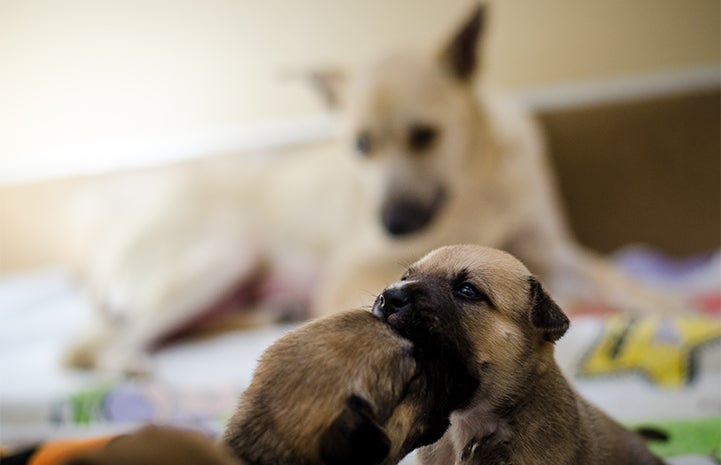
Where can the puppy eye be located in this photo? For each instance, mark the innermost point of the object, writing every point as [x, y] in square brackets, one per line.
[421, 137]
[363, 143]
[407, 275]
[469, 292]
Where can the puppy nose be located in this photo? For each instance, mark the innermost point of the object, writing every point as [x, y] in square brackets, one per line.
[393, 301]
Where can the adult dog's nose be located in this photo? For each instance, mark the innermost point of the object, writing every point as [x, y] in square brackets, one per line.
[392, 301]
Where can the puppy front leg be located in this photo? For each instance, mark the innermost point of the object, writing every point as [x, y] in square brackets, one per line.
[440, 452]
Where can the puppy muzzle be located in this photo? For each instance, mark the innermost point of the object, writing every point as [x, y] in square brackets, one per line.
[394, 306]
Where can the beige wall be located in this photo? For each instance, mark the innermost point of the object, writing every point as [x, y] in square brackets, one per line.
[74, 71]
[79, 70]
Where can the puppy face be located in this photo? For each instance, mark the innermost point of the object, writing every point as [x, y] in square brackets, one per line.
[483, 310]
[412, 123]
[343, 389]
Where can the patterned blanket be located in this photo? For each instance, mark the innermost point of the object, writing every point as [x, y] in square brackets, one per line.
[654, 372]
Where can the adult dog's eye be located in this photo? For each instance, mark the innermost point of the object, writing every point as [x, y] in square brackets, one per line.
[469, 292]
[363, 143]
[421, 137]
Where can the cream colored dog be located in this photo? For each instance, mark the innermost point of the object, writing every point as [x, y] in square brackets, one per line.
[438, 159]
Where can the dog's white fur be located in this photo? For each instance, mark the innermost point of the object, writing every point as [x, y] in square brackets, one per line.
[310, 232]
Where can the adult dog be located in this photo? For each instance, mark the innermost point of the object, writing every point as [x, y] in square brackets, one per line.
[484, 310]
[438, 159]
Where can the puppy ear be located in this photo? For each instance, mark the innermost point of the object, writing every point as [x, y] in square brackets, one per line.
[354, 437]
[460, 56]
[546, 315]
[330, 85]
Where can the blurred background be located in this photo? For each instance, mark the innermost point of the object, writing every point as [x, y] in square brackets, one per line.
[94, 93]
[108, 106]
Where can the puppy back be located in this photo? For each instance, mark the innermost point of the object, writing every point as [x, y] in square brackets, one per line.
[303, 381]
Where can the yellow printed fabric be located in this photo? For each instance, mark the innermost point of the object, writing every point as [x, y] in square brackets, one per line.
[661, 349]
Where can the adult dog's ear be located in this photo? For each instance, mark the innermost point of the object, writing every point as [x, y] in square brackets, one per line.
[354, 437]
[460, 55]
[330, 85]
[546, 315]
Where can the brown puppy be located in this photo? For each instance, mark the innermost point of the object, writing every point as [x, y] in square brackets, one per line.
[153, 445]
[345, 389]
[484, 309]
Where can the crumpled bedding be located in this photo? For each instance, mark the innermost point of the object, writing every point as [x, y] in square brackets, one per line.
[654, 372]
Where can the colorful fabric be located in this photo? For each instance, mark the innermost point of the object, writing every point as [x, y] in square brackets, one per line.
[55, 452]
[660, 372]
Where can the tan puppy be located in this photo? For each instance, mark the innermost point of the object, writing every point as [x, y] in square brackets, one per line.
[484, 309]
[437, 159]
[153, 445]
[345, 389]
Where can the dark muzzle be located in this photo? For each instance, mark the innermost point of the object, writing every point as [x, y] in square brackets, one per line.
[405, 216]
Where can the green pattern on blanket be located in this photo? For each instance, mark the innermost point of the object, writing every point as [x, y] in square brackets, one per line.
[701, 437]
[86, 407]
[137, 402]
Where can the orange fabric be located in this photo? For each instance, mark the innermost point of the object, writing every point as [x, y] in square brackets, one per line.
[56, 452]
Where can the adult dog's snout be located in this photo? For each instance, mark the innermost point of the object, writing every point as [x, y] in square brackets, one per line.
[406, 215]
[402, 218]
[392, 304]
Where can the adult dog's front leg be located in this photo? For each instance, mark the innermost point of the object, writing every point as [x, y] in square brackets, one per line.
[160, 280]
[584, 276]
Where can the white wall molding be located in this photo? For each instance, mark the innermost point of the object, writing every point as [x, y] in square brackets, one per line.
[104, 156]
[628, 88]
